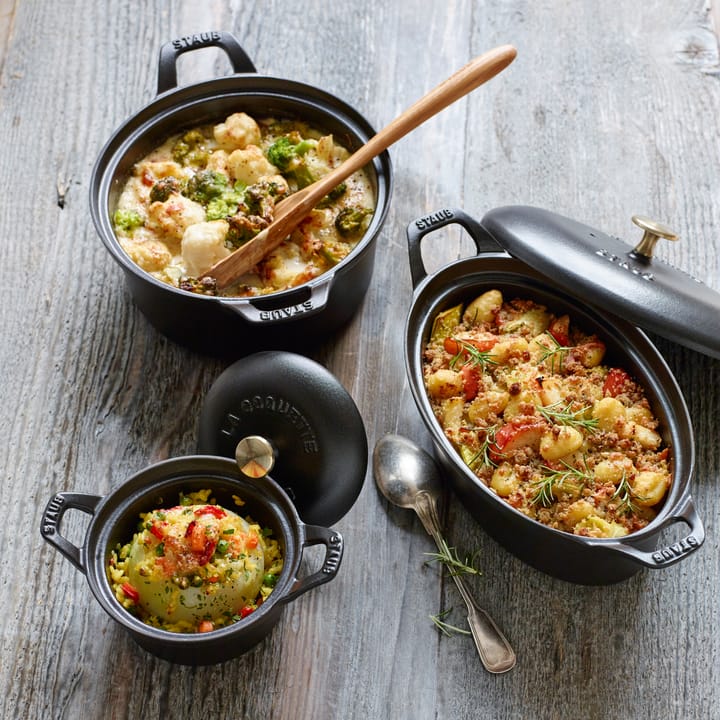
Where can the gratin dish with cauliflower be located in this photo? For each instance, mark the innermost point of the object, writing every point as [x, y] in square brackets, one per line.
[205, 192]
[194, 567]
[526, 399]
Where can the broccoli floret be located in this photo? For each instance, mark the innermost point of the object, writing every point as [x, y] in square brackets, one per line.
[199, 286]
[243, 228]
[351, 220]
[226, 204]
[337, 192]
[260, 198]
[190, 149]
[127, 220]
[163, 188]
[206, 185]
[284, 152]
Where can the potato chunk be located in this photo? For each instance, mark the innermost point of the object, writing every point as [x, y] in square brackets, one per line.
[483, 308]
[444, 384]
[566, 440]
[649, 487]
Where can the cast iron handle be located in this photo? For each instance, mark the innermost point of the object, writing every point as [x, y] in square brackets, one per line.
[670, 554]
[170, 51]
[333, 542]
[306, 300]
[53, 515]
[419, 228]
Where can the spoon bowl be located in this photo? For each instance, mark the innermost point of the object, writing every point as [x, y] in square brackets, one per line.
[403, 470]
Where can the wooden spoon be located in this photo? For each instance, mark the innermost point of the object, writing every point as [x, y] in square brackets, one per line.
[290, 212]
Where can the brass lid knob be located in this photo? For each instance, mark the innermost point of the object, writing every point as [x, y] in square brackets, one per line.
[653, 231]
[255, 456]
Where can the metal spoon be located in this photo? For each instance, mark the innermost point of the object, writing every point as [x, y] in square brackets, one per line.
[408, 477]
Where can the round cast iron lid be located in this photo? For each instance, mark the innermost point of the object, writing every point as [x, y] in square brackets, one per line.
[283, 412]
[628, 281]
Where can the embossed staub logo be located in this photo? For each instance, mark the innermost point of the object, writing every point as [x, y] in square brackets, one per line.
[428, 221]
[280, 406]
[286, 312]
[624, 264]
[196, 40]
[676, 550]
[50, 521]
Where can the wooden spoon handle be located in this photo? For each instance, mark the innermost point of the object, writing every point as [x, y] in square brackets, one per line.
[291, 211]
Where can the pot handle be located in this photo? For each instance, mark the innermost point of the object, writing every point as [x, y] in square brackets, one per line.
[420, 227]
[52, 517]
[333, 542]
[170, 51]
[670, 554]
[306, 300]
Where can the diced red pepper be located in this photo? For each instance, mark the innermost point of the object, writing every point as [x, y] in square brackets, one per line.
[205, 626]
[218, 512]
[202, 544]
[454, 346]
[130, 592]
[252, 541]
[156, 530]
[515, 435]
[615, 382]
[560, 330]
[471, 381]
[247, 610]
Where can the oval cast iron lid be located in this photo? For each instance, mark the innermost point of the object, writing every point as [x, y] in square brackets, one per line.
[286, 413]
[612, 275]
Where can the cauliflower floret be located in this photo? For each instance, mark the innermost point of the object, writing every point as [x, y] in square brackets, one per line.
[218, 162]
[203, 245]
[159, 169]
[250, 165]
[151, 255]
[173, 216]
[238, 131]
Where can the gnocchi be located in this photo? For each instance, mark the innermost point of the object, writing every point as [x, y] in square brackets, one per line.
[529, 402]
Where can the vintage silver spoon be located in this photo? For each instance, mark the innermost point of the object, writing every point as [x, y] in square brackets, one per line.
[408, 477]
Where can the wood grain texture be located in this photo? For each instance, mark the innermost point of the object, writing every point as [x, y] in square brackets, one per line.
[610, 109]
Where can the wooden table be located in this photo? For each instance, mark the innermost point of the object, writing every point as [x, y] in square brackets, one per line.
[610, 109]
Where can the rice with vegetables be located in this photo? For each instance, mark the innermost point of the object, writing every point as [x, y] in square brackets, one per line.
[526, 399]
[195, 567]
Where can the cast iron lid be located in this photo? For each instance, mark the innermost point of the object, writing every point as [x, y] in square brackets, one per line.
[628, 281]
[286, 415]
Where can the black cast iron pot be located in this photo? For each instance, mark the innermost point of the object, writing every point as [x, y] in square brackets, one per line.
[114, 520]
[237, 326]
[569, 557]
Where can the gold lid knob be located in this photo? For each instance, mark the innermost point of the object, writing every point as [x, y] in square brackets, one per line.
[255, 456]
[653, 231]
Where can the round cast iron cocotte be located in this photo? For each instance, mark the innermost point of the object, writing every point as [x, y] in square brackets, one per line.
[222, 326]
[114, 520]
[569, 557]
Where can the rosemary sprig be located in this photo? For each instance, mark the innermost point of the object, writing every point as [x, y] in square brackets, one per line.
[556, 349]
[565, 416]
[625, 494]
[475, 356]
[483, 454]
[449, 557]
[545, 488]
[446, 628]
